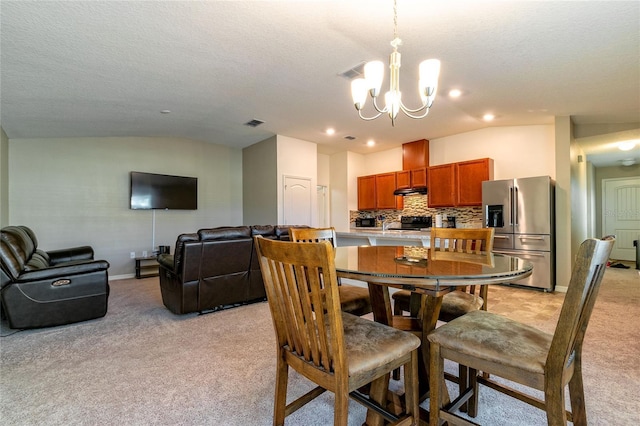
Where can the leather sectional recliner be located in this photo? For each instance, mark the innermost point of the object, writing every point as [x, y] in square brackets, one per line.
[215, 268]
[47, 288]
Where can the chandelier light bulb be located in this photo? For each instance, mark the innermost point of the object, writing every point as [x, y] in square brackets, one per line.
[359, 92]
[373, 74]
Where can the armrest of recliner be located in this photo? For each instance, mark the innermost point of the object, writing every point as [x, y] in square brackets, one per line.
[68, 269]
[166, 261]
[70, 255]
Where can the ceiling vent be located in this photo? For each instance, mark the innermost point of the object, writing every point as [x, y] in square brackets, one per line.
[355, 72]
[350, 137]
[254, 123]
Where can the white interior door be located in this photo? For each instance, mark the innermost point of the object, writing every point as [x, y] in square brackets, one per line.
[297, 201]
[621, 215]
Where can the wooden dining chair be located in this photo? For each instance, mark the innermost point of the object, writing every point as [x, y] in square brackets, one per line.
[338, 351]
[460, 301]
[521, 353]
[353, 299]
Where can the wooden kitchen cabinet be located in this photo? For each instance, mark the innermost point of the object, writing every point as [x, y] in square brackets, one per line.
[415, 154]
[419, 177]
[470, 175]
[367, 192]
[385, 185]
[403, 179]
[458, 184]
[442, 185]
[411, 178]
[376, 192]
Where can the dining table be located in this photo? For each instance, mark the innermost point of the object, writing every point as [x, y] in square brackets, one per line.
[429, 275]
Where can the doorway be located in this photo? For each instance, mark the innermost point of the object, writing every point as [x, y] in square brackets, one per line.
[621, 215]
[297, 201]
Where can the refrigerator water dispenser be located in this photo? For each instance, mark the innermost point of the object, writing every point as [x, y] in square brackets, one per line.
[495, 216]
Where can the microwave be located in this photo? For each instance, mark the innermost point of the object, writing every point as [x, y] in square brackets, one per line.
[365, 222]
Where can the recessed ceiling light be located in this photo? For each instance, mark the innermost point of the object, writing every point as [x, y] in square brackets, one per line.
[628, 162]
[488, 117]
[330, 131]
[455, 93]
[627, 145]
[371, 142]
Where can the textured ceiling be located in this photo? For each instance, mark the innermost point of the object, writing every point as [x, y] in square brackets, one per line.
[97, 68]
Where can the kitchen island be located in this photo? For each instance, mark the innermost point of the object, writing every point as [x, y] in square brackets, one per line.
[378, 237]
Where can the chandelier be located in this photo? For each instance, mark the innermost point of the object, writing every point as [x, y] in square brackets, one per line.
[372, 81]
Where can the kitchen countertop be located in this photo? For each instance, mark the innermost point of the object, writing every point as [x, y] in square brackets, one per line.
[377, 237]
[379, 233]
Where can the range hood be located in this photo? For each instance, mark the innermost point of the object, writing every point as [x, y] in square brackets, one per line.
[422, 190]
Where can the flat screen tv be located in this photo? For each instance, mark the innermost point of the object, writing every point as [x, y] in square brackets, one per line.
[155, 191]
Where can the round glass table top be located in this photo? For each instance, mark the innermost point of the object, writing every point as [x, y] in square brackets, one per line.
[419, 264]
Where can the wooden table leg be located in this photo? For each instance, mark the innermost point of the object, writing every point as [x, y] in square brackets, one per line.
[381, 304]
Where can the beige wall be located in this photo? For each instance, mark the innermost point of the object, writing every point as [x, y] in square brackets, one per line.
[76, 192]
[564, 257]
[259, 183]
[389, 160]
[345, 168]
[4, 179]
[517, 151]
[265, 166]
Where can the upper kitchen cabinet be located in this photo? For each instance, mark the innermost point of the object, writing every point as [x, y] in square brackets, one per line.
[419, 177]
[415, 155]
[458, 184]
[411, 178]
[470, 175]
[403, 179]
[385, 185]
[367, 192]
[442, 184]
[376, 192]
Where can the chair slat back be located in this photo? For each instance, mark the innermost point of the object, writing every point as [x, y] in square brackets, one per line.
[313, 235]
[586, 276]
[299, 277]
[463, 240]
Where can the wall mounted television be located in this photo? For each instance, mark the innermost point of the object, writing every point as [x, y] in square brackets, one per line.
[155, 191]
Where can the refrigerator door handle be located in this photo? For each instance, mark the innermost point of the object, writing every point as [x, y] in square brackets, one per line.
[520, 253]
[500, 237]
[529, 237]
[515, 206]
[511, 205]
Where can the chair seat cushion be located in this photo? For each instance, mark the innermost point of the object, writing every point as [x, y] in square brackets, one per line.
[354, 299]
[495, 339]
[454, 304]
[370, 344]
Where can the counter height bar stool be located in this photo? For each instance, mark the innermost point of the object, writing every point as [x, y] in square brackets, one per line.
[353, 299]
[520, 353]
[338, 351]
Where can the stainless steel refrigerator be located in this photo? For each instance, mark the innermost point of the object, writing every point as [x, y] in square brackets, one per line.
[522, 211]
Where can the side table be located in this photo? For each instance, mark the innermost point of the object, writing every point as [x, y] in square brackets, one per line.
[147, 267]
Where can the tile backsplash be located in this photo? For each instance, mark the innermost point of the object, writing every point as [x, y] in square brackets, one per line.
[416, 205]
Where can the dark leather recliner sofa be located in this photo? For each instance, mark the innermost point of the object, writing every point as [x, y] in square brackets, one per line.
[215, 268]
[48, 288]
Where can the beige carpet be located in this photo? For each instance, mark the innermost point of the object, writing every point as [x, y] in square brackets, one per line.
[142, 365]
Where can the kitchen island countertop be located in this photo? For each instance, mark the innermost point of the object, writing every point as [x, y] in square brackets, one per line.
[376, 236]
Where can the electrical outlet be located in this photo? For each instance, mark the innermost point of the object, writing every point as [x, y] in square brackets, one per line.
[133, 255]
[144, 253]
